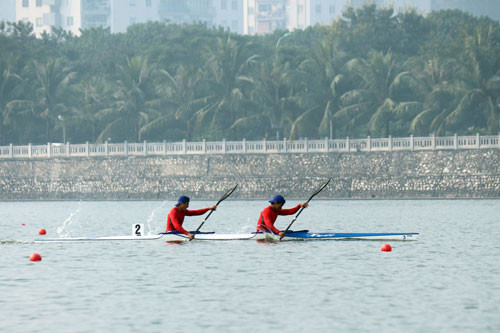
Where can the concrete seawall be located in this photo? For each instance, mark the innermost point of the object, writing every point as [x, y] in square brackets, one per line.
[432, 174]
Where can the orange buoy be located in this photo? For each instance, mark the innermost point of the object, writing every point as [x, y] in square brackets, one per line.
[35, 257]
[386, 248]
[42, 231]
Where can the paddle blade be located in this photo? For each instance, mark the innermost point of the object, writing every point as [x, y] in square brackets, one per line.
[319, 189]
[227, 194]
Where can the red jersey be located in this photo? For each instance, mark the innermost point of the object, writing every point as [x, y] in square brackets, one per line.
[175, 219]
[269, 216]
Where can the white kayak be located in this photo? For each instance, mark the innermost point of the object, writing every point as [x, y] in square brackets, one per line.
[206, 236]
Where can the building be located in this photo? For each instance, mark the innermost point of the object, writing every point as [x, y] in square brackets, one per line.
[73, 15]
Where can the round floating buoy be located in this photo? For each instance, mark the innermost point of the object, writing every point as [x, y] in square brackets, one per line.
[23, 224]
[42, 231]
[35, 257]
[386, 248]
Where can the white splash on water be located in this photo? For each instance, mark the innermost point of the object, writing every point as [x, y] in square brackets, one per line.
[151, 229]
[63, 230]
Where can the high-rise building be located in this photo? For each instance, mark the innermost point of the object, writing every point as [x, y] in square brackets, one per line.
[73, 15]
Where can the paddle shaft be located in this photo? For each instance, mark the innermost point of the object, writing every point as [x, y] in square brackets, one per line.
[302, 208]
[224, 197]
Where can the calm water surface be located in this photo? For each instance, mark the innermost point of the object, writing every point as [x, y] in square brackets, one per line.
[448, 280]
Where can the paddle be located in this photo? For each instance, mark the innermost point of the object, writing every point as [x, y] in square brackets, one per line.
[302, 208]
[224, 197]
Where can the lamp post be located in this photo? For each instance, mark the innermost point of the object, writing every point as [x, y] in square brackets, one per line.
[278, 43]
[63, 126]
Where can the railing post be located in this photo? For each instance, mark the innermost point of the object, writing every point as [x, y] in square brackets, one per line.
[87, 150]
[265, 145]
[244, 146]
[390, 142]
[498, 140]
[184, 146]
[306, 145]
[285, 148]
[67, 149]
[145, 148]
[204, 145]
[433, 141]
[455, 141]
[48, 149]
[125, 148]
[347, 144]
[29, 150]
[369, 143]
[326, 145]
[11, 151]
[478, 142]
[412, 143]
[106, 152]
[223, 146]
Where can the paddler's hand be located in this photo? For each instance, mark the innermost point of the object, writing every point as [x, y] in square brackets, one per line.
[304, 204]
[281, 234]
[214, 207]
[190, 236]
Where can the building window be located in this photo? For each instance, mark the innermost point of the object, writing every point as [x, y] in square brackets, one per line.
[223, 4]
[234, 5]
[26, 3]
[132, 3]
[250, 11]
[69, 21]
[251, 30]
[234, 25]
[39, 3]
[148, 3]
[26, 19]
[39, 21]
[133, 20]
[300, 9]
[318, 9]
[332, 9]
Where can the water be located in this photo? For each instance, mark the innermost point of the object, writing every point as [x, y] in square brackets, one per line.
[448, 280]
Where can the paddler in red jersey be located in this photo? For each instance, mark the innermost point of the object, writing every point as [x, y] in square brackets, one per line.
[269, 215]
[176, 216]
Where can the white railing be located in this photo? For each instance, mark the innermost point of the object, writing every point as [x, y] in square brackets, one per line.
[249, 147]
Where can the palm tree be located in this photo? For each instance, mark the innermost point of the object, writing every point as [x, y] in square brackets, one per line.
[53, 82]
[226, 77]
[133, 101]
[8, 85]
[388, 95]
[479, 107]
[323, 83]
[95, 100]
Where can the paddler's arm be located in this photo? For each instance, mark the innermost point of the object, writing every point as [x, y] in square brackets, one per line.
[200, 211]
[293, 210]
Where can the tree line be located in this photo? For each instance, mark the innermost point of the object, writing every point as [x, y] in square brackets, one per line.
[370, 72]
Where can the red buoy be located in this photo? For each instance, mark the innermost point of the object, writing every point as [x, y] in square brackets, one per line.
[42, 231]
[23, 224]
[386, 248]
[35, 257]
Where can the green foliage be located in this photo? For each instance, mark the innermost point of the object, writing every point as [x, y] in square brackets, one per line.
[371, 72]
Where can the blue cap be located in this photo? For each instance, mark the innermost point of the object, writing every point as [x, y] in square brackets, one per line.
[278, 198]
[182, 199]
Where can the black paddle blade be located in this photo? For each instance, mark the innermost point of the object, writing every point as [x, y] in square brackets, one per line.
[319, 189]
[227, 194]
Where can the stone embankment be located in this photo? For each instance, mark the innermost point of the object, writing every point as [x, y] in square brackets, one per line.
[429, 174]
